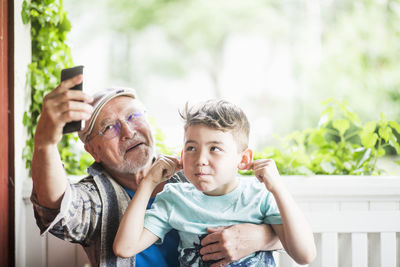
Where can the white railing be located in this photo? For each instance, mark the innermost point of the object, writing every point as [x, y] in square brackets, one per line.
[356, 221]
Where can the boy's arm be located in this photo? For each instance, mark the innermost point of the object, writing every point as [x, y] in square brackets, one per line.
[132, 237]
[295, 232]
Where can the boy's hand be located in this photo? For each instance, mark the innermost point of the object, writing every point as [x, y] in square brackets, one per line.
[266, 171]
[163, 168]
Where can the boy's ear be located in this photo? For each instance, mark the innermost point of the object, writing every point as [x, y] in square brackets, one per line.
[246, 160]
[181, 160]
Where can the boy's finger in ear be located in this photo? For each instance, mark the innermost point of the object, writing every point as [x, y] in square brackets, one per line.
[250, 166]
[178, 167]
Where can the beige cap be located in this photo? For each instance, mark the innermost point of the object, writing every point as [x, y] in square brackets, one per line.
[100, 99]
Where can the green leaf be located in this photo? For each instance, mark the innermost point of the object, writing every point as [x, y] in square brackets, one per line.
[381, 152]
[369, 140]
[25, 12]
[393, 142]
[395, 126]
[328, 167]
[341, 125]
[369, 127]
[317, 138]
[362, 156]
[385, 132]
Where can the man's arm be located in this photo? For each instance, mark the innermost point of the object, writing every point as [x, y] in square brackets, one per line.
[59, 107]
[229, 244]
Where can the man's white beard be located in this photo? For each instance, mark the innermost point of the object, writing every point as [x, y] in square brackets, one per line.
[134, 167]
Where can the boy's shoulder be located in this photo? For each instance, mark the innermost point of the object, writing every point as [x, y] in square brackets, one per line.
[176, 192]
[250, 185]
[178, 188]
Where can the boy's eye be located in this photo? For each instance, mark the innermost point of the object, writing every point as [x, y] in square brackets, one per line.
[190, 148]
[214, 148]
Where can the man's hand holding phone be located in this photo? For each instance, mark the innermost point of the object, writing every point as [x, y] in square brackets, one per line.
[60, 106]
[66, 74]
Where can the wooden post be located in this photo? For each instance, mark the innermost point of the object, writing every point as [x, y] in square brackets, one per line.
[7, 257]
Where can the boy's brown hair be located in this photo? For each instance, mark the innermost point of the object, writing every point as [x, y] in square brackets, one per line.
[220, 115]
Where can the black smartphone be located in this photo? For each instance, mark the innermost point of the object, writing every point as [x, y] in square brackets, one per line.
[66, 74]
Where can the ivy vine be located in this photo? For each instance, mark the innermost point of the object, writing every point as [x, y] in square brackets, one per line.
[50, 54]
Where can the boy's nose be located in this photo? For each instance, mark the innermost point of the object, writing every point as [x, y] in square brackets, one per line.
[202, 158]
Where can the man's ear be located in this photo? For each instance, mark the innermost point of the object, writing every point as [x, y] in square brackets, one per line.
[246, 160]
[91, 151]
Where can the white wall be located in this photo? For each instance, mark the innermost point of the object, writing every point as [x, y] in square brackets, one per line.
[22, 57]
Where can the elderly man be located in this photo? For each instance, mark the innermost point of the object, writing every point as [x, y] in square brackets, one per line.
[88, 212]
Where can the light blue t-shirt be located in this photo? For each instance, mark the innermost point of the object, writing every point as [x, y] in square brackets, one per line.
[184, 208]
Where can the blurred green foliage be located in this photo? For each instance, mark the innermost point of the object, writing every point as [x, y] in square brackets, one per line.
[340, 145]
[342, 49]
[159, 137]
[360, 56]
[195, 32]
[357, 57]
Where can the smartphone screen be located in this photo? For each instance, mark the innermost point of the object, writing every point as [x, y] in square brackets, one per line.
[66, 74]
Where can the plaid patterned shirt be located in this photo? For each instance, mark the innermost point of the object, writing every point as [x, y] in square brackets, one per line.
[90, 213]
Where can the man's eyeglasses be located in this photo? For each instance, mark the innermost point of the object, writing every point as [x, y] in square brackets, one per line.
[113, 129]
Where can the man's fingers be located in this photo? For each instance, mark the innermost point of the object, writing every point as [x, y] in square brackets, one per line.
[63, 94]
[211, 238]
[213, 256]
[72, 115]
[76, 106]
[77, 95]
[210, 250]
[67, 84]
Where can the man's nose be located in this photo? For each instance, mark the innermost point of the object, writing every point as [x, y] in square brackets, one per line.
[126, 130]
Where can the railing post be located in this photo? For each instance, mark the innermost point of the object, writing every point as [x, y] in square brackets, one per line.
[388, 249]
[359, 250]
[329, 249]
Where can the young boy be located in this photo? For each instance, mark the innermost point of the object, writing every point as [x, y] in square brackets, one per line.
[215, 147]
